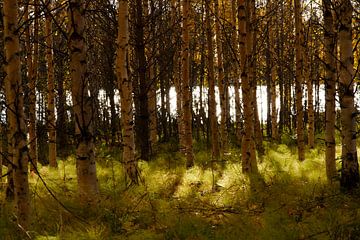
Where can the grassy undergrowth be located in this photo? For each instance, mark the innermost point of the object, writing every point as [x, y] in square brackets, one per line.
[292, 202]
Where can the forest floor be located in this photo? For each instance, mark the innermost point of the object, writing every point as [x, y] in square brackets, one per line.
[293, 201]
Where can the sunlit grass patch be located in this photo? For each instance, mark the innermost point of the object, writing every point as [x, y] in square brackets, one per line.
[191, 182]
[279, 163]
[47, 238]
[91, 231]
[233, 186]
[196, 181]
[313, 167]
[162, 181]
[111, 177]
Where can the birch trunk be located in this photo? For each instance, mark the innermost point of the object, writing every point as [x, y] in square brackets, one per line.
[51, 123]
[299, 81]
[249, 164]
[221, 82]
[330, 89]
[177, 78]
[253, 81]
[142, 116]
[33, 76]
[126, 100]
[310, 97]
[350, 166]
[151, 70]
[273, 93]
[82, 105]
[238, 118]
[15, 103]
[186, 89]
[211, 82]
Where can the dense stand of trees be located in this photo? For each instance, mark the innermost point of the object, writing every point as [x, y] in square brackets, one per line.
[79, 73]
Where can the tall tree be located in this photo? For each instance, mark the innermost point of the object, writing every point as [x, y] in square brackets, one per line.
[51, 121]
[211, 82]
[176, 74]
[33, 76]
[309, 46]
[252, 26]
[15, 103]
[61, 63]
[82, 104]
[238, 38]
[330, 89]
[186, 89]
[249, 164]
[299, 81]
[273, 92]
[308, 69]
[221, 80]
[126, 89]
[350, 165]
[142, 115]
[151, 71]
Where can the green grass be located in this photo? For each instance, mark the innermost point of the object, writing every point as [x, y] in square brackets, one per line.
[199, 203]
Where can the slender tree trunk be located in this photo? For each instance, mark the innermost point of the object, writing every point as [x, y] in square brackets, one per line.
[168, 110]
[186, 89]
[142, 116]
[299, 82]
[33, 151]
[152, 80]
[82, 104]
[221, 82]
[330, 89]
[176, 74]
[273, 92]
[114, 116]
[268, 79]
[164, 121]
[310, 97]
[253, 83]
[350, 165]
[280, 55]
[237, 73]
[202, 115]
[15, 104]
[61, 122]
[249, 164]
[126, 100]
[211, 82]
[152, 107]
[51, 123]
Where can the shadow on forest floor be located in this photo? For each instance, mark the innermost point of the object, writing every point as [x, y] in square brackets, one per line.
[293, 201]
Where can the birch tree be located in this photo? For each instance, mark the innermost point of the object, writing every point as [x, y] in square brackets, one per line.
[15, 110]
[249, 164]
[51, 121]
[299, 81]
[82, 104]
[186, 90]
[330, 88]
[211, 82]
[126, 89]
[350, 166]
